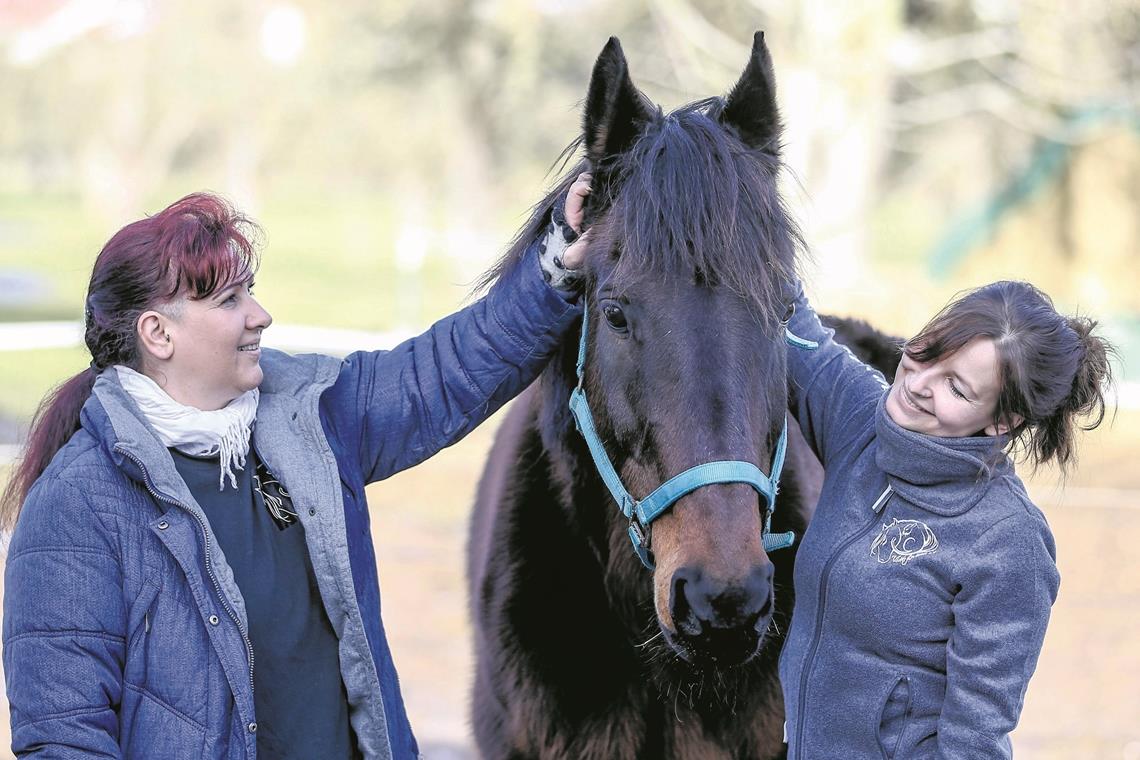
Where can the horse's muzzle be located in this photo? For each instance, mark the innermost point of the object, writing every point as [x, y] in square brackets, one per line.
[717, 623]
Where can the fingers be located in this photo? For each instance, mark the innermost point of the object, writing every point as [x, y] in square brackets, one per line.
[576, 200]
[575, 256]
[581, 185]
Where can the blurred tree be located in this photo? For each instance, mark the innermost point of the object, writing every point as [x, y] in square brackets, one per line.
[453, 109]
[1050, 91]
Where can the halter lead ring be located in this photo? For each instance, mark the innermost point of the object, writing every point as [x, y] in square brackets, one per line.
[641, 514]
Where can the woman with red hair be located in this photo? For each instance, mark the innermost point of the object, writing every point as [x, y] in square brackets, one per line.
[192, 504]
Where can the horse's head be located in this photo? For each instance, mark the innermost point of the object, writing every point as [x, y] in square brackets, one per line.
[689, 278]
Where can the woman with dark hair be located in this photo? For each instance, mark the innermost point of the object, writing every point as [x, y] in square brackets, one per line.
[192, 503]
[924, 582]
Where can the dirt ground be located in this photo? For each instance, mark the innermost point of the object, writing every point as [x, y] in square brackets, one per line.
[1083, 702]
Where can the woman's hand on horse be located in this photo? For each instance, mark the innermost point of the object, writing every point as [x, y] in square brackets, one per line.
[576, 201]
[575, 255]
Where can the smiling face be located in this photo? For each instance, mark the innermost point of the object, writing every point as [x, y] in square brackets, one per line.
[953, 396]
[214, 348]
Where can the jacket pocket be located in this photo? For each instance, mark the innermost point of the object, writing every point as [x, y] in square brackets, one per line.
[894, 715]
[168, 647]
[150, 728]
[141, 612]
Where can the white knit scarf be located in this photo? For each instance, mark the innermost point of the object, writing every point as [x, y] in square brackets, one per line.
[223, 433]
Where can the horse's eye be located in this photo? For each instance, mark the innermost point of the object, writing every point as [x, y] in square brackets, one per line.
[615, 317]
[789, 313]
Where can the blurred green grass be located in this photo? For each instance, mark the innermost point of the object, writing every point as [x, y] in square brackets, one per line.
[327, 262]
[29, 375]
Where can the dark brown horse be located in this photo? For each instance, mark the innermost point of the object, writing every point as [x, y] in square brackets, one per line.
[583, 652]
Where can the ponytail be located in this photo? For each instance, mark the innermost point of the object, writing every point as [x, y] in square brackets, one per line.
[55, 421]
[1092, 377]
[1094, 373]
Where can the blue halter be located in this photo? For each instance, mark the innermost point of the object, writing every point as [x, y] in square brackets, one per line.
[641, 514]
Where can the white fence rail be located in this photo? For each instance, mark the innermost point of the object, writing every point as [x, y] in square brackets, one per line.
[30, 336]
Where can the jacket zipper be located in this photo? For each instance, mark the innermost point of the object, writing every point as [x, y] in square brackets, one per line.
[876, 508]
[209, 566]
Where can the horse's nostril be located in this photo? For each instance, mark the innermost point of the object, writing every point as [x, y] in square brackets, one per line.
[760, 579]
[761, 621]
[686, 619]
[760, 593]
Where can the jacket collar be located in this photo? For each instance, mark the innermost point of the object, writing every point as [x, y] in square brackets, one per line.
[116, 421]
[947, 476]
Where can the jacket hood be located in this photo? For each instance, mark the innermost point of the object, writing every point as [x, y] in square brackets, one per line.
[946, 476]
[292, 374]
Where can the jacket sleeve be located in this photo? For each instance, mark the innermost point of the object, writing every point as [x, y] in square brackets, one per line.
[399, 407]
[64, 624]
[1008, 582]
[834, 392]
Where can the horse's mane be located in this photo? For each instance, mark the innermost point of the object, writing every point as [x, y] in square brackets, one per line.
[690, 199]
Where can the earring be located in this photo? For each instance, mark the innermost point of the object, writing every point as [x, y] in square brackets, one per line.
[167, 337]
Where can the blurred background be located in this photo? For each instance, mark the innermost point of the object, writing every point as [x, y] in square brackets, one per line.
[391, 149]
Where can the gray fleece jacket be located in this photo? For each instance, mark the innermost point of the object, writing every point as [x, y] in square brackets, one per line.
[923, 584]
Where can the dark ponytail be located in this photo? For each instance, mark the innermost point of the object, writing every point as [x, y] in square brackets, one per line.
[1094, 373]
[196, 246]
[1055, 439]
[56, 420]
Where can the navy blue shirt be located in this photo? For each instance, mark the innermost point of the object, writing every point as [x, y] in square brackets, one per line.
[298, 694]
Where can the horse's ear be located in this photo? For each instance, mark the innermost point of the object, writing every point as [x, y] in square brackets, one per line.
[750, 108]
[616, 111]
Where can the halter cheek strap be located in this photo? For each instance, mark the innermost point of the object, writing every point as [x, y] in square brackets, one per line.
[641, 514]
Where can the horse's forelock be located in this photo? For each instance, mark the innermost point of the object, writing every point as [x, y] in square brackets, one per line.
[687, 198]
[694, 200]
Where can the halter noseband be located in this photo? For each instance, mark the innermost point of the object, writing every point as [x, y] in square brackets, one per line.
[641, 514]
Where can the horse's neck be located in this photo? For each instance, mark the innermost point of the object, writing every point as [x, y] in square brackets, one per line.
[576, 478]
[555, 423]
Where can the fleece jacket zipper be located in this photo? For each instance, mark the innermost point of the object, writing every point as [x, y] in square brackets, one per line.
[821, 607]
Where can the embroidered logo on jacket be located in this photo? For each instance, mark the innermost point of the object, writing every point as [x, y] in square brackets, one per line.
[902, 541]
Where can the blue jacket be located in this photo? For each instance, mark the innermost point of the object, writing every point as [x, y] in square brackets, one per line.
[124, 632]
[923, 584]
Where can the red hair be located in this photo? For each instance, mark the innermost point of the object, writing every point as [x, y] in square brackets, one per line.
[193, 248]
